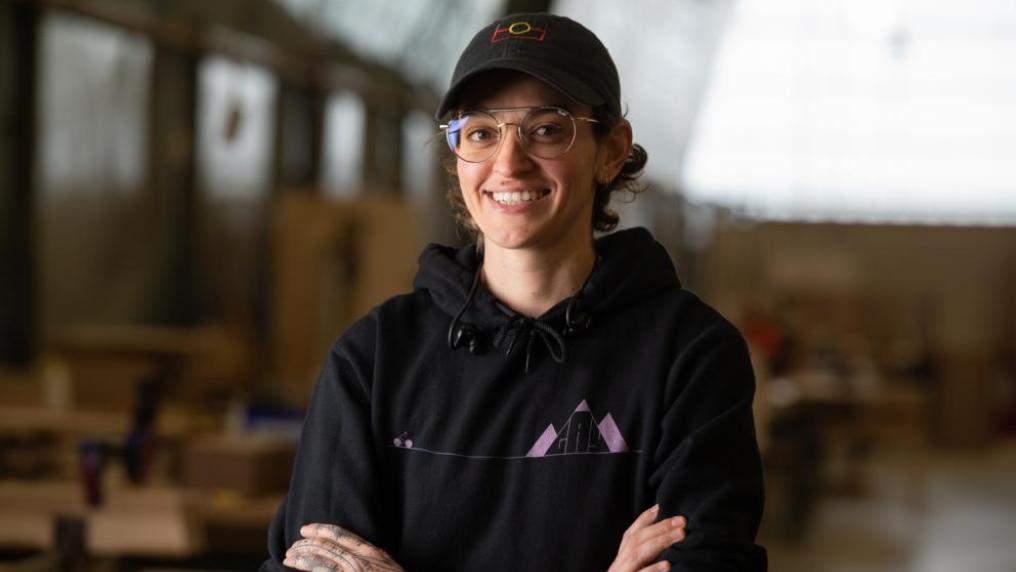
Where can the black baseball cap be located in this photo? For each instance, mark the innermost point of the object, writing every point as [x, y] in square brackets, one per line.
[555, 49]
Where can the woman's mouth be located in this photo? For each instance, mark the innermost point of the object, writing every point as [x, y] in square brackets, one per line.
[517, 197]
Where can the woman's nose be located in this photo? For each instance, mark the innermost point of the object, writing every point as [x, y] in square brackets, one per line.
[511, 158]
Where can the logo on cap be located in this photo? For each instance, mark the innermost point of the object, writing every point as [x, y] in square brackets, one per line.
[518, 31]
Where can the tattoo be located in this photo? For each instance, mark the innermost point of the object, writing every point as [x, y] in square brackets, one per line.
[325, 550]
[368, 565]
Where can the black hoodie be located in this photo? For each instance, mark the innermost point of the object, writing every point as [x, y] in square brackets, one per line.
[534, 443]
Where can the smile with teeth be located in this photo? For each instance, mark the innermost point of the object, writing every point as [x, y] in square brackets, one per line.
[516, 197]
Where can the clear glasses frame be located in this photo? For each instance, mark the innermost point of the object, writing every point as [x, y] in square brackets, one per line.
[452, 131]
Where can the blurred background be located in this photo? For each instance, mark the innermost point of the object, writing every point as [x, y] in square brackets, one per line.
[196, 197]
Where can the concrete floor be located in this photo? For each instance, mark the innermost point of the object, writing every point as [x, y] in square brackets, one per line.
[937, 512]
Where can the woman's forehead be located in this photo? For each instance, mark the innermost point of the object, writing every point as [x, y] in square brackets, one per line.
[498, 89]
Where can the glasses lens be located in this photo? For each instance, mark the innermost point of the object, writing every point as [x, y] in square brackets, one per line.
[549, 132]
[473, 136]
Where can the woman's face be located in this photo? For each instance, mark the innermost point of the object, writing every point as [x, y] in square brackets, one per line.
[559, 209]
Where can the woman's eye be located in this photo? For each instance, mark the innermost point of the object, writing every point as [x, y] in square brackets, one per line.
[482, 135]
[546, 131]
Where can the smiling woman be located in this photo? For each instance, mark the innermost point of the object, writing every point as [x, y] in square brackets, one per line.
[554, 165]
[542, 400]
[546, 132]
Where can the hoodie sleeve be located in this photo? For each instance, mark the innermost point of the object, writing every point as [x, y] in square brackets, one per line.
[707, 466]
[336, 474]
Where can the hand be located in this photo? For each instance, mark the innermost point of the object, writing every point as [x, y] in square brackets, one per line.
[330, 548]
[644, 541]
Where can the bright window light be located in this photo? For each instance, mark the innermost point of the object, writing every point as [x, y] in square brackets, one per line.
[862, 110]
[236, 115]
[93, 121]
[342, 161]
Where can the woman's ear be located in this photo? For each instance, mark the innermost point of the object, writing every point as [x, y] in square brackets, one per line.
[615, 148]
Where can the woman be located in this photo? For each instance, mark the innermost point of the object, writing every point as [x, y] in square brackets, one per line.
[541, 390]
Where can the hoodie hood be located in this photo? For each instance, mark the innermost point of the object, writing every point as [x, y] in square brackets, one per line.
[630, 265]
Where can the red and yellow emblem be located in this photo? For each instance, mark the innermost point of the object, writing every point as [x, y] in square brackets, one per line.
[521, 30]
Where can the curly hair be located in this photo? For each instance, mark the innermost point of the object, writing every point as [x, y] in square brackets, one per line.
[604, 219]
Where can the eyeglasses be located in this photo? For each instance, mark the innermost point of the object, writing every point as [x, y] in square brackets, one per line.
[546, 132]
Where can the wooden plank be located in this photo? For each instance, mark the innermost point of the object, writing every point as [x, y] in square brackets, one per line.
[169, 423]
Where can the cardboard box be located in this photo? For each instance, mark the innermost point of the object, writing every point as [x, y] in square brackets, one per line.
[248, 466]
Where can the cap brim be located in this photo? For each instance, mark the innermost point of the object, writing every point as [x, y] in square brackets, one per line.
[559, 79]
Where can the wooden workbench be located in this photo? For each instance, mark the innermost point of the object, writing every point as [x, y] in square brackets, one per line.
[160, 521]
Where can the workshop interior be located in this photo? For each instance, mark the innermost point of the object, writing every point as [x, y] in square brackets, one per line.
[198, 197]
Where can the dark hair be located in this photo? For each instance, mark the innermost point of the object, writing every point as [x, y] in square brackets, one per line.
[604, 219]
[626, 180]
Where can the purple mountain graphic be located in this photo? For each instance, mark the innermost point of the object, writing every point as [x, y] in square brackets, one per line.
[581, 433]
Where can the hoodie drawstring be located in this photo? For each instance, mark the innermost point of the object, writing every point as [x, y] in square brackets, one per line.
[575, 319]
[510, 332]
[465, 334]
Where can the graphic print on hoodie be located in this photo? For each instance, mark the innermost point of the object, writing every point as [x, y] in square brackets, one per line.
[581, 434]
